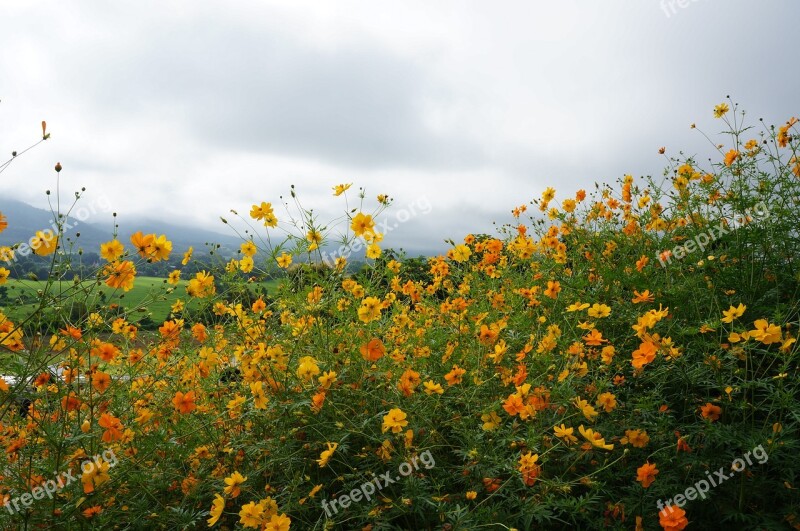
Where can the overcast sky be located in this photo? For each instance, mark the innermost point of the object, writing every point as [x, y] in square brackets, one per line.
[184, 110]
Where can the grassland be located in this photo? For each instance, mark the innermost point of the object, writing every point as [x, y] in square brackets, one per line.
[150, 296]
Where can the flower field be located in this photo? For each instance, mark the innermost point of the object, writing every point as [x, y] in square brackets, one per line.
[619, 358]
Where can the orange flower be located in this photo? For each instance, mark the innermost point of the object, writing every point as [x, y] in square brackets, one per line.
[92, 511]
[646, 474]
[645, 296]
[184, 403]
[105, 351]
[513, 404]
[454, 377]
[672, 518]
[3, 222]
[710, 411]
[374, 350]
[113, 427]
[553, 288]
[101, 381]
[120, 275]
[683, 446]
[644, 354]
[143, 243]
[731, 157]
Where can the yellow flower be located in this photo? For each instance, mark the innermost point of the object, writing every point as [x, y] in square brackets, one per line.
[161, 247]
[460, 253]
[599, 311]
[720, 110]
[308, 368]
[586, 408]
[577, 306]
[260, 400]
[595, 438]
[562, 432]
[362, 224]
[491, 421]
[314, 238]
[264, 213]
[765, 332]
[373, 251]
[278, 523]
[246, 264]
[251, 515]
[187, 256]
[734, 312]
[232, 483]
[248, 248]
[4, 275]
[284, 260]
[174, 277]
[339, 189]
[370, 310]
[111, 250]
[326, 455]
[201, 286]
[217, 507]
[44, 243]
[432, 387]
[395, 420]
[6, 254]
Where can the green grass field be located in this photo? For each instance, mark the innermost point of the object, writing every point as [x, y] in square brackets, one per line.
[150, 296]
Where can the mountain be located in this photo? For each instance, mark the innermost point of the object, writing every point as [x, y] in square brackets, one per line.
[25, 220]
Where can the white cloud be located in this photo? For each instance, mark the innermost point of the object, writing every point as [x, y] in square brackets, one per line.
[186, 109]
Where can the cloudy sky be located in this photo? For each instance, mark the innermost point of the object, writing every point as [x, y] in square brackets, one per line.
[183, 110]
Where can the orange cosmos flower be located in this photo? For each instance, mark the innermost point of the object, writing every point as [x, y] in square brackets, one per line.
[184, 403]
[710, 411]
[143, 243]
[672, 518]
[645, 354]
[374, 350]
[454, 377]
[645, 296]
[113, 427]
[646, 474]
[513, 404]
[101, 381]
[731, 157]
[120, 275]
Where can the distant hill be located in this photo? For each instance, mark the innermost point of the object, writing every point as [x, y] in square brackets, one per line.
[24, 220]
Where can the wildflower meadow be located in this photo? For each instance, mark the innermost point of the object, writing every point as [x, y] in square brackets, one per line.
[590, 365]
